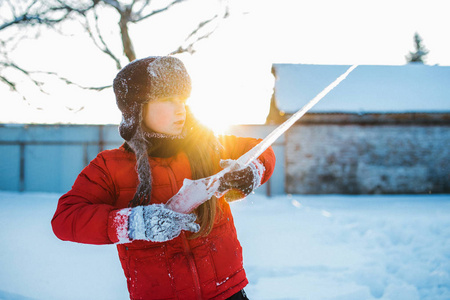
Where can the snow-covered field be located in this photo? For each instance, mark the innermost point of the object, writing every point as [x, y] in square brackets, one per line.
[295, 247]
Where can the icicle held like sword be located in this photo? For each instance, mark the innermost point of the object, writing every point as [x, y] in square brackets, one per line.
[195, 192]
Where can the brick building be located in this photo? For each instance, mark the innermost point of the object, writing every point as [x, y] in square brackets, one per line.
[385, 129]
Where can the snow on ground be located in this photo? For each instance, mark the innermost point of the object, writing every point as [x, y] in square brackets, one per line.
[295, 247]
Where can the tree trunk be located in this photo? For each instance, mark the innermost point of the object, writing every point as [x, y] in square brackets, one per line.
[128, 49]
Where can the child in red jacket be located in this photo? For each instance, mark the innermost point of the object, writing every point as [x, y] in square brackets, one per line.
[120, 196]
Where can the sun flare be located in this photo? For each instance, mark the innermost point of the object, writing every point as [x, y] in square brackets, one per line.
[204, 114]
[226, 93]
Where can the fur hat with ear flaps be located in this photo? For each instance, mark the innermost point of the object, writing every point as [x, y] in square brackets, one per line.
[137, 83]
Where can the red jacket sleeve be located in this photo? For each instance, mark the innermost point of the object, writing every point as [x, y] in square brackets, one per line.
[234, 147]
[85, 213]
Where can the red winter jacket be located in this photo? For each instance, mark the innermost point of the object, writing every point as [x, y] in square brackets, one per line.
[203, 268]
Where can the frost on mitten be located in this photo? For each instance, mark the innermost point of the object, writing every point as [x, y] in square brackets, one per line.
[240, 183]
[118, 226]
[154, 223]
[157, 223]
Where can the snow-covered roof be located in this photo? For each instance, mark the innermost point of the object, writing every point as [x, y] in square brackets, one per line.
[368, 89]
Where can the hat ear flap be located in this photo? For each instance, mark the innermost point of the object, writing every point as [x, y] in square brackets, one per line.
[131, 119]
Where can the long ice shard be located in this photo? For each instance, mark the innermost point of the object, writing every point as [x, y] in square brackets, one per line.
[194, 192]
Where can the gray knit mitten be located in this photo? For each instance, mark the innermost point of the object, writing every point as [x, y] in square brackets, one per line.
[157, 223]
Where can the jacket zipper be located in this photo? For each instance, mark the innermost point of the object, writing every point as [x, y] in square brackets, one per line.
[186, 247]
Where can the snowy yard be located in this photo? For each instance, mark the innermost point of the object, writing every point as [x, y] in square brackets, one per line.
[295, 247]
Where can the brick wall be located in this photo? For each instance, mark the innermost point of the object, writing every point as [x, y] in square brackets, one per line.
[367, 159]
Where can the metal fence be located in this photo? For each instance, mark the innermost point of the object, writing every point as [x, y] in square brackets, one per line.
[48, 158]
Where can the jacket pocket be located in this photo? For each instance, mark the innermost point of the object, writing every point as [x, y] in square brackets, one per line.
[150, 276]
[226, 253]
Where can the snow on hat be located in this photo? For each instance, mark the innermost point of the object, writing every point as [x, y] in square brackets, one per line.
[137, 83]
[145, 80]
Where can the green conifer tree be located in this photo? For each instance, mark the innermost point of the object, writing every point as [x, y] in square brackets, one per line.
[419, 55]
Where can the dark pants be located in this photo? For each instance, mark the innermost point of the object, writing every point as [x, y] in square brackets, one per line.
[239, 296]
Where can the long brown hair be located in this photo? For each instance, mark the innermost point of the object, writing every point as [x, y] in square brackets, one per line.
[202, 149]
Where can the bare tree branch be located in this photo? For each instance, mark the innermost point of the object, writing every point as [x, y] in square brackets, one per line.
[139, 18]
[39, 83]
[143, 6]
[201, 25]
[45, 16]
[103, 47]
[11, 85]
[70, 82]
[35, 13]
[114, 3]
[189, 48]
